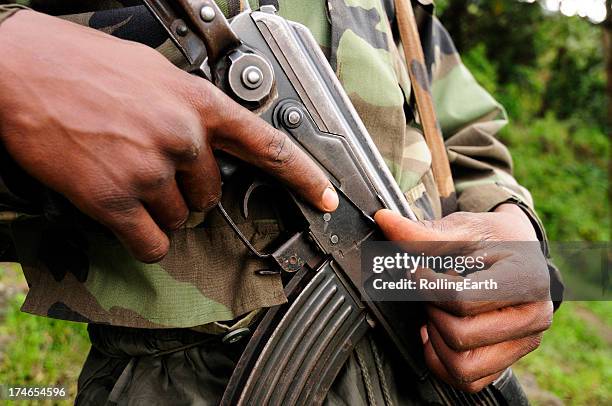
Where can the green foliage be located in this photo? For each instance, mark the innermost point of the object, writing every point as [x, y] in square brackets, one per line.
[564, 165]
[40, 339]
[483, 69]
[40, 351]
[548, 71]
[574, 361]
[538, 63]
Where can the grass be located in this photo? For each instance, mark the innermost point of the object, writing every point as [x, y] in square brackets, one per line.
[574, 361]
[565, 166]
[36, 350]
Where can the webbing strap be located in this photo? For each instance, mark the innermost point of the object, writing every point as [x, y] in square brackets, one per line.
[415, 61]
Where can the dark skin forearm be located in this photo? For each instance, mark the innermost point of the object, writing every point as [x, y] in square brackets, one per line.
[125, 135]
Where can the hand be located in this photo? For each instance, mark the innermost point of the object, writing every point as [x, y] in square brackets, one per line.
[470, 343]
[125, 135]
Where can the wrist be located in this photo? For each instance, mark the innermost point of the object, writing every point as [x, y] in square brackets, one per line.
[519, 215]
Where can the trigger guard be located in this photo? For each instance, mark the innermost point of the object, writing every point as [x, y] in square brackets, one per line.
[249, 192]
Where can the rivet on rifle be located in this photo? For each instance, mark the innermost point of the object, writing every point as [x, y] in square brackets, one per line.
[207, 13]
[293, 260]
[252, 77]
[181, 29]
[334, 239]
[326, 217]
[294, 117]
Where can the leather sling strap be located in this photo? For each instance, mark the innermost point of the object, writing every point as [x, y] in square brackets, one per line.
[415, 61]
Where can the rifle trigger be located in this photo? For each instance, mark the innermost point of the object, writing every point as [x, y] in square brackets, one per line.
[247, 196]
[242, 237]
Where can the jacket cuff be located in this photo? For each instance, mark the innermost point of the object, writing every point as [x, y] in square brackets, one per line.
[7, 10]
[485, 198]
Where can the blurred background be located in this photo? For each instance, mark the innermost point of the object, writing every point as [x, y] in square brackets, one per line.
[549, 63]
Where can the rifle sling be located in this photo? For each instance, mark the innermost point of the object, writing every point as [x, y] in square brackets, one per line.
[417, 71]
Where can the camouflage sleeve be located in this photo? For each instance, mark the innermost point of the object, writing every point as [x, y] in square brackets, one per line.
[470, 119]
[7, 10]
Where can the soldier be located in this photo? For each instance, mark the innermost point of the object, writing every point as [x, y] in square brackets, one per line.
[112, 128]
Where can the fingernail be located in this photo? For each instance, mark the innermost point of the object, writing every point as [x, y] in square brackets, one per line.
[424, 335]
[330, 199]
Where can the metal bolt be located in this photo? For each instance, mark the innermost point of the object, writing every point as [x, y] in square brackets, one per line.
[181, 29]
[326, 217]
[252, 77]
[334, 239]
[291, 116]
[294, 117]
[207, 13]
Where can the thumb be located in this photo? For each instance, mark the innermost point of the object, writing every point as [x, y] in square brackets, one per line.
[447, 237]
[399, 228]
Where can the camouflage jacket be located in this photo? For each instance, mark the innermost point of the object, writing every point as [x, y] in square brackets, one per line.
[80, 273]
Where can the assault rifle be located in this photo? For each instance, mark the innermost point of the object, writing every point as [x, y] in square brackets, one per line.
[275, 68]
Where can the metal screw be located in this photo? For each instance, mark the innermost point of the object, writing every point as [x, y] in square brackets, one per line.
[181, 29]
[334, 239]
[291, 116]
[252, 77]
[326, 217]
[294, 117]
[207, 13]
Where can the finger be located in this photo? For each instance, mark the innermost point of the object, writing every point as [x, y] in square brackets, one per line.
[446, 295]
[506, 324]
[429, 237]
[511, 281]
[246, 136]
[478, 363]
[437, 367]
[200, 181]
[167, 206]
[137, 231]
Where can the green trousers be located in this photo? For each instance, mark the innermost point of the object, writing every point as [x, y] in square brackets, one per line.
[182, 367]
